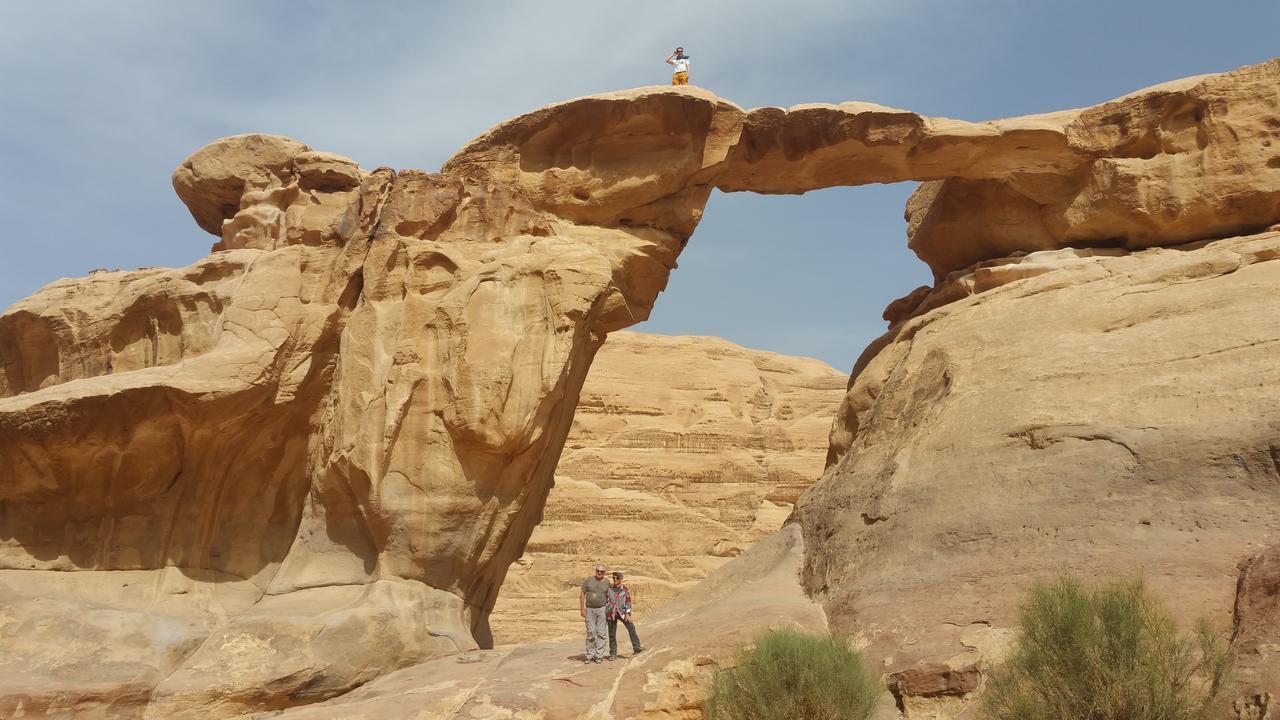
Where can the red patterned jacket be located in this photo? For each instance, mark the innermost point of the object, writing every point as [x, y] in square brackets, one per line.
[617, 602]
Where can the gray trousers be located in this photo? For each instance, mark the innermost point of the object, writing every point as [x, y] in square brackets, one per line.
[595, 633]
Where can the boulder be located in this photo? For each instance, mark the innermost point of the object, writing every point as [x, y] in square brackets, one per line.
[1252, 688]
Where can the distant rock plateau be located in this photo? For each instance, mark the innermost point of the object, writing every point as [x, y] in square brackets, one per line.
[292, 478]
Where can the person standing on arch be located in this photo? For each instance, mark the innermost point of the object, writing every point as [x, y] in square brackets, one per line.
[680, 62]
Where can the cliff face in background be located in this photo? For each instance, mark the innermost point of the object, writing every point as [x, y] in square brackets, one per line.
[308, 459]
[684, 452]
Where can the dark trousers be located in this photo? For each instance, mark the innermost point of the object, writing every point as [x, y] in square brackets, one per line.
[613, 635]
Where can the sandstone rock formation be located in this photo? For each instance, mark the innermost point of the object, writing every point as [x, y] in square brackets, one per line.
[1103, 414]
[309, 458]
[684, 452]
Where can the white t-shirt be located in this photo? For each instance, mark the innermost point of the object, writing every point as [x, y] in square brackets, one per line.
[682, 64]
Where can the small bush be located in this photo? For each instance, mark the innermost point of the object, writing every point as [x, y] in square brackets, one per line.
[1103, 654]
[790, 675]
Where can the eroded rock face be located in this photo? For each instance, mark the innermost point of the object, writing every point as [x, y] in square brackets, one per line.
[641, 158]
[309, 458]
[1252, 690]
[1107, 415]
[684, 452]
[1187, 160]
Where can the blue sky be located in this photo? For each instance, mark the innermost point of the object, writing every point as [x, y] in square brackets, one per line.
[99, 101]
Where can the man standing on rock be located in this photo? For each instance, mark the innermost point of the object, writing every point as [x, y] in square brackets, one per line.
[680, 62]
[591, 602]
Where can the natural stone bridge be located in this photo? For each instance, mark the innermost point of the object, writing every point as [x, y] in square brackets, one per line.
[310, 457]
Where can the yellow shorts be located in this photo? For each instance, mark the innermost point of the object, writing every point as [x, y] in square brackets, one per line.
[680, 78]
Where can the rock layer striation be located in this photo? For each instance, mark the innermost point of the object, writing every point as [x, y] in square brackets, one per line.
[684, 452]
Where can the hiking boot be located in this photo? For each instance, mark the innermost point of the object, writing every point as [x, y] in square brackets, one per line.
[596, 660]
[611, 658]
[637, 651]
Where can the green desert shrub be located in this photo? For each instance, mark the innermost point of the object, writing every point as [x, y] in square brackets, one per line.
[1106, 653]
[791, 675]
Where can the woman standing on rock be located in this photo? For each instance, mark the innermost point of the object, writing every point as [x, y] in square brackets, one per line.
[618, 607]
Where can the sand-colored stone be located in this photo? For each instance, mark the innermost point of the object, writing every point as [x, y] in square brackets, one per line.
[309, 458]
[684, 452]
[1107, 416]
[330, 437]
[213, 182]
[638, 158]
[687, 641]
[1252, 688]
[1186, 160]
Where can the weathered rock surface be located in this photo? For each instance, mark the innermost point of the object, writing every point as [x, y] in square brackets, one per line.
[640, 158]
[1103, 415]
[309, 458]
[1252, 690]
[1186, 160]
[329, 439]
[684, 452]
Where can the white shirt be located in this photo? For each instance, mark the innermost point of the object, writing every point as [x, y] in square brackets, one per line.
[681, 64]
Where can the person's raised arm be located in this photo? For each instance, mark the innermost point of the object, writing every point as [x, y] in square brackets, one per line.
[670, 60]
